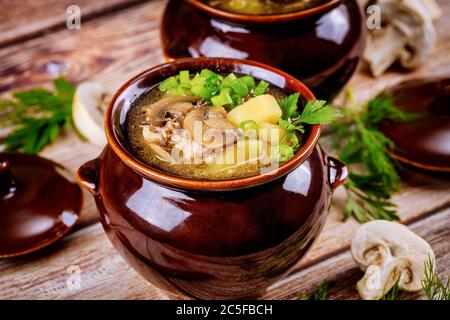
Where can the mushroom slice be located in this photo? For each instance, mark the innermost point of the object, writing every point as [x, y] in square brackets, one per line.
[88, 109]
[172, 107]
[210, 127]
[389, 252]
[160, 153]
[408, 35]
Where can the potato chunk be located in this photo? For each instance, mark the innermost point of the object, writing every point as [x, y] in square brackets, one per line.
[244, 151]
[260, 109]
[271, 133]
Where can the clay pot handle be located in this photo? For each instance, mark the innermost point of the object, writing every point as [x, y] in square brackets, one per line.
[88, 176]
[337, 172]
[7, 184]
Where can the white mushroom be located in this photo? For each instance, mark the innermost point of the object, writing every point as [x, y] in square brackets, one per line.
[407, 34]
[389, 253]
[88, 109]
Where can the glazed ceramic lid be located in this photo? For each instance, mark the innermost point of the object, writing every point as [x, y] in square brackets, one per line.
[424, 143]
[39, 203]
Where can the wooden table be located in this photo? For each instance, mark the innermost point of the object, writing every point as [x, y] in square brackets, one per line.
[119, 38]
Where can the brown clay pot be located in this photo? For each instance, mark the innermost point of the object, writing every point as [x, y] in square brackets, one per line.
[210, 239]
[320, 46]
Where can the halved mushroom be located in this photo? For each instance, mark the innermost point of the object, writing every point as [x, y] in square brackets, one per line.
[164, 117]
[88, 110]
[173, 107]
[389, 253]
[210, 127]
[407, 34]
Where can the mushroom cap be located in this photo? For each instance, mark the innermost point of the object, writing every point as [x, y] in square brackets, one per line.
[402, 244]
[408, 35]
[88, 109]
[176, 106]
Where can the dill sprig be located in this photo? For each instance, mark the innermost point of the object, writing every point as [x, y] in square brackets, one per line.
[321, 293]
[434, 287]
[363, 146]
[394, 293]
[37, 117]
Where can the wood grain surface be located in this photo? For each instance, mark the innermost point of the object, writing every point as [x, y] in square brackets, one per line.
[117, 40]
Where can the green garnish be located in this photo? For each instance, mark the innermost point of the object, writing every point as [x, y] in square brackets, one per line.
[228, 91]
[434, 287]
[248, 125]
[249, 81]
[362, 145]
[290, 139]
[289, 106]
[284, 152]
[321, 293]
[394, 293]
[184, 77]
[37, 116]
[261, 88]
[314, 112]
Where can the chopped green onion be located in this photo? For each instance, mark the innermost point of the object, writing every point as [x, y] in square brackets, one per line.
[168, 84]
[205, 73]
[202, 91]
[223, 98]
[239, 87]
[198, 80]
[284, 152]
[229, 79]
[261, 88]
[184, 77]
[248, 125]
[249, 81]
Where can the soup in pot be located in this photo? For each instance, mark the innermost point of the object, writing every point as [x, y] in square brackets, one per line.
[214, 126]
[261, 7]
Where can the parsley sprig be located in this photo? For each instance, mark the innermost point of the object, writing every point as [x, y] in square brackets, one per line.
[362, 145]
[37, 117]
[314, 112]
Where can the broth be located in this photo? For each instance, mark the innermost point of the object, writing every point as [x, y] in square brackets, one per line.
[262, 7]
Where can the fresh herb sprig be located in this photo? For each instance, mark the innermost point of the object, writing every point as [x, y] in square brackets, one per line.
[434, 287]
[321, 293]
[37, 116]
[394, 293]
[314, 112]
[362, 145]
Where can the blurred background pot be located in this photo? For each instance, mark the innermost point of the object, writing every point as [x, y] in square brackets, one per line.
[320, 46]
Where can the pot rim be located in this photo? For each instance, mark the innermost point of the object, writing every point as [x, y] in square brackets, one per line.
[272, 18]
[209, 185]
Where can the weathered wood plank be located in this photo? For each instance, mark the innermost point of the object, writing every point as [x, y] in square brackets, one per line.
[112, 49]
[32, 18]
[109, 50]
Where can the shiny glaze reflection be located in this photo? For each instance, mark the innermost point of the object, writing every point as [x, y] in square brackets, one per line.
[322, 51]
[213, 244]
[38, 203]
[425, 142]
